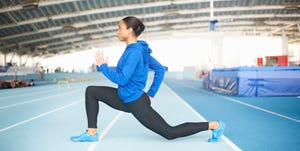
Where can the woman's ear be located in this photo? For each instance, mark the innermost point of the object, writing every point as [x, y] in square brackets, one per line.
[130, 30]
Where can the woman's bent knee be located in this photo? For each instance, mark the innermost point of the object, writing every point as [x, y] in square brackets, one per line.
[89, 89]
[168, 135]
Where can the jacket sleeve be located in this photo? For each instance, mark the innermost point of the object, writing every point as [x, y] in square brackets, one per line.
[121, 77]
[159, 73]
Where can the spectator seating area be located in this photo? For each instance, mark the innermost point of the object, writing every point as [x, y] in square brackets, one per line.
[12, 70]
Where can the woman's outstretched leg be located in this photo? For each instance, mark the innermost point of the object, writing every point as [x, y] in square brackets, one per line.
[147, 116]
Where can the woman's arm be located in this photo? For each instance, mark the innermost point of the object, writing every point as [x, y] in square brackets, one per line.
[159, 73]
[121, 77]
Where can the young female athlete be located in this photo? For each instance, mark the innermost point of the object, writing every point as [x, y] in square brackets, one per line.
[131, 76]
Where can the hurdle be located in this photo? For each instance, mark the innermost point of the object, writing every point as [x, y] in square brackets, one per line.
[63, 81]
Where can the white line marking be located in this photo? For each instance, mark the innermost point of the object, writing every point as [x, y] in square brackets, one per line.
[108, 127]
[23, 94]
[35, 100]
[249, 105]
[230, 143]
[31, 91]
[259, 108]
[39, 116]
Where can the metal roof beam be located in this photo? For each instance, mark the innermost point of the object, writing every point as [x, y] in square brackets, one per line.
[32, 33]
[40, 4]
[265, 18]
[115, 19]
[136, 6]
[154, 23]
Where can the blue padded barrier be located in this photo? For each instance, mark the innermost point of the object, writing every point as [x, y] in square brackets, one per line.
[255, 81]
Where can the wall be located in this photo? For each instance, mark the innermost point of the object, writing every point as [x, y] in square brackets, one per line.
[243, 51]
[294, 54]
[178, 51]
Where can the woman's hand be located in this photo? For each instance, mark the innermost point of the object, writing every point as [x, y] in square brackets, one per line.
[99, 57]
[150, 98]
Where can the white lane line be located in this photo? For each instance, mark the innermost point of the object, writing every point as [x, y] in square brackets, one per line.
[249, 105]
[23, 94]
[39, 116]
[259, 108]
[101, 136]
[39, 99]
[34, 91]
[228, 141]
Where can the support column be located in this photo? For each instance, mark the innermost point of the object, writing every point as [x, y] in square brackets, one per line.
[216, 58]
[212, 21]
[217, 50]
[211, 10]
[20, 60]
[285, 45]
[2, 58]
[5, 62]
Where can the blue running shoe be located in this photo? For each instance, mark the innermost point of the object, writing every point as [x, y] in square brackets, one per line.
[85, 137]
[217, 133]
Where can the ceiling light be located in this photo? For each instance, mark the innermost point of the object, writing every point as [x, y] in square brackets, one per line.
[42, 47]
[80, 25]
[30, 4]
[291, 6]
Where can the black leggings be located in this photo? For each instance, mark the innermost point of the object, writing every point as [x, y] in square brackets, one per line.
[141, 110]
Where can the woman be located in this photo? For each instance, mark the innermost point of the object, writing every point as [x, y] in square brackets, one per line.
[131, 76]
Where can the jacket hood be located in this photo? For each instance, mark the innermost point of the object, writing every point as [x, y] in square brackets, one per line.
[144, 45]
[146, 54]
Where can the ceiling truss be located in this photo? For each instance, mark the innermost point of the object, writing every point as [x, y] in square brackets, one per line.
[49, 27]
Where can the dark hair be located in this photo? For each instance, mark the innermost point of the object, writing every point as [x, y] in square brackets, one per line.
[134, 23]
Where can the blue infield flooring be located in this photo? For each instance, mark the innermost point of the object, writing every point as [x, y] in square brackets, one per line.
[44, 117]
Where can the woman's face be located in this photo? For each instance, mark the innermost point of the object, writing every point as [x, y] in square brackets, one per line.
[123, 31]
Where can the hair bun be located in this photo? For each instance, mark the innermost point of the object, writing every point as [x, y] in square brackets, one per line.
[134, 23]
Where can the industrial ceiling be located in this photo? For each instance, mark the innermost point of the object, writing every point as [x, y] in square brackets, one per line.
[51, 27]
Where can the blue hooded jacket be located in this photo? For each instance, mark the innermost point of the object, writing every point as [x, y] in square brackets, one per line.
[132, 72]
